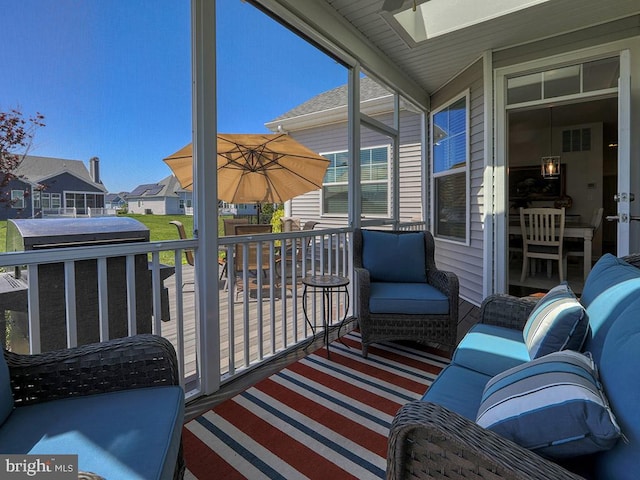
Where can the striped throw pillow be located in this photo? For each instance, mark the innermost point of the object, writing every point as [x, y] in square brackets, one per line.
[553, 405]
[557, 322]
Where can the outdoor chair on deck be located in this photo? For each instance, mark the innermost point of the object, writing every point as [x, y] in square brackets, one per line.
[402, 295]
[188, 254]
[247, 272]
[297, 252]
[230, 225]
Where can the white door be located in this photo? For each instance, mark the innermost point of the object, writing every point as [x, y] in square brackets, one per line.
[624, 196]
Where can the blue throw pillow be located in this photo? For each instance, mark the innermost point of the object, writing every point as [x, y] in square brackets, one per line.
[394, 257]
[553, 405]
[557, 322]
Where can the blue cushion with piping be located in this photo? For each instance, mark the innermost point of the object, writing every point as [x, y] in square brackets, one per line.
[490, 349]
[557, 322]
[407, 298]
[609, 270]
[553, 405]
[118, 435]
[394, 257]
[618, 370]
[458, 389]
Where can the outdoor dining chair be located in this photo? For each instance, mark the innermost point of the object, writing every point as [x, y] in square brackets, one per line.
[255, 267]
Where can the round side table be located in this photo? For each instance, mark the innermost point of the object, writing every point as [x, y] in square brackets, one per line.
[327, 285]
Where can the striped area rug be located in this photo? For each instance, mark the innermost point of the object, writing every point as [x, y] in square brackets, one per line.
[316, 419]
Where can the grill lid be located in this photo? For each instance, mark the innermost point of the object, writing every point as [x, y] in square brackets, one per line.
[29, 234]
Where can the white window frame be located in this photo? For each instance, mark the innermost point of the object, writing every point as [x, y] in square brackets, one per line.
[388, 147]
[17, 199]
[466, 94]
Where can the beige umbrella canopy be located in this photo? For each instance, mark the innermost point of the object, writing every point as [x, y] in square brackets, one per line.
[262, 168]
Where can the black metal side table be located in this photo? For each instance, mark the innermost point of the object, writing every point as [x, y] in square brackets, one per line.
[327, 285]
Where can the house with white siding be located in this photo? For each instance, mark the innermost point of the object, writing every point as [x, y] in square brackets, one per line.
[166, 197]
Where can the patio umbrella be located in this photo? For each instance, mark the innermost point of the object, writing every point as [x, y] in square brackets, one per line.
[262, 168]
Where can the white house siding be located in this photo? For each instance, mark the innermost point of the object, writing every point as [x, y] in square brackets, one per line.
[333, 138]
[466, 260]
[156, 205]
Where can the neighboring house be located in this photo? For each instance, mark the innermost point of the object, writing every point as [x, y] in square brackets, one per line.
[45, 185]
[115, 201]
[166, 197]
[492, 97]
[320, 124]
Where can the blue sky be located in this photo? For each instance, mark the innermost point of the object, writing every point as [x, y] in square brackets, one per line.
[113, 78]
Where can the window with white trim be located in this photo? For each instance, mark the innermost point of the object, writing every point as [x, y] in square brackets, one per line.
[450, 157]
[374, 176]
[17, 198]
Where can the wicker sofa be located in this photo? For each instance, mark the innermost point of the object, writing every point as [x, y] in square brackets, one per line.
[438, 437]
[118, 405]
[402, 294]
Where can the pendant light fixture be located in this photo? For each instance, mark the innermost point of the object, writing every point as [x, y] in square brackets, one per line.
[550, 163]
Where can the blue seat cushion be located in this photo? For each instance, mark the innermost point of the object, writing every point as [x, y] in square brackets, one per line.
[458, 389]
[131, 434]
[557, 322]
[407, 298]
[394, 257]
[553, 405]
[490, 349]
[618, 370]
[609, 270]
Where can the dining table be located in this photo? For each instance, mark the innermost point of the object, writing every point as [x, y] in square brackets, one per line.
[579, 230]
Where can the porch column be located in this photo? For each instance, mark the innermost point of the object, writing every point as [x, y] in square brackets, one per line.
[205, 191]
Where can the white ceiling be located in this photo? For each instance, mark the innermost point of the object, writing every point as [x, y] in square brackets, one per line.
[434, 62]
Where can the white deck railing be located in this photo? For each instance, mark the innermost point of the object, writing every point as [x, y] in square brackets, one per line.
[260, 309]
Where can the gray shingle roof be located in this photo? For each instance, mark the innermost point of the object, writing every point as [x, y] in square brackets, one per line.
[338, 97]
[36, 169]
[167, 187]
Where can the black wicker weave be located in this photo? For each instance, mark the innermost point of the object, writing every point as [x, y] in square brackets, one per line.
[120, 364]
[427, 441]
[432, 329]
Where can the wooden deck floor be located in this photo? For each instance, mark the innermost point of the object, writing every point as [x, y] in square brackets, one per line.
[273, 344]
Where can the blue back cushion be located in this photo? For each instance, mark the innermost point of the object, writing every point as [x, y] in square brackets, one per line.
[394, 257]
[6, 395]
[608, 271]
[619, 375]
[557, 322]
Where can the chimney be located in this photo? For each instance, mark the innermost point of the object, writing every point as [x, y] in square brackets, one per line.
[94, 169]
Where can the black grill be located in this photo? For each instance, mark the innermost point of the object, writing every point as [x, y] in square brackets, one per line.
[51, 233]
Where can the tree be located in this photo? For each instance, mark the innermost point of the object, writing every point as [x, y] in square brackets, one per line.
[16, 138]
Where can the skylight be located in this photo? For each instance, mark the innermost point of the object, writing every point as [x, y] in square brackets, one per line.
[438, 17]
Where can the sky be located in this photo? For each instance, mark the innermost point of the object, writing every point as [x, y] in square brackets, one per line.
[113, 78]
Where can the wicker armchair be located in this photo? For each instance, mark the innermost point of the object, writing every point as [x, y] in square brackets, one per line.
[121, 364]
[434, 328]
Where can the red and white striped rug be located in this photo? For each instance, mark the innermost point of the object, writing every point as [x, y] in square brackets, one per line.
[316, 419]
